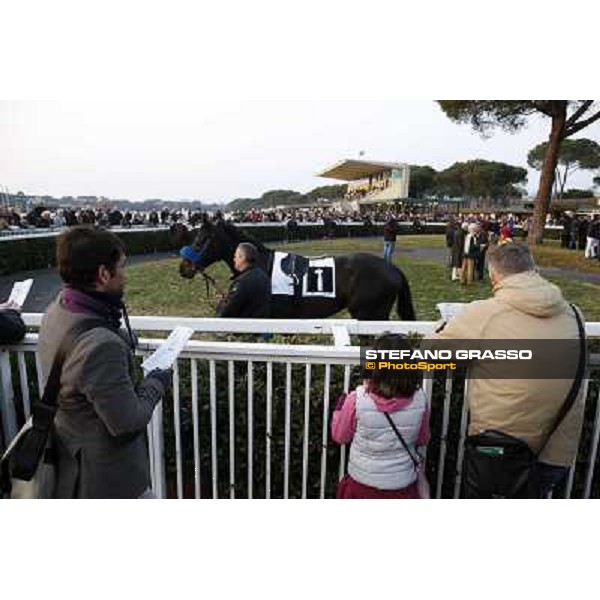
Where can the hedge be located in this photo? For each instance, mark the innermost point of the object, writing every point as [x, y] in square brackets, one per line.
[25, 254]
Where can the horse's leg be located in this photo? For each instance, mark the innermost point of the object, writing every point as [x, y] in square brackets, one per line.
[377, 310]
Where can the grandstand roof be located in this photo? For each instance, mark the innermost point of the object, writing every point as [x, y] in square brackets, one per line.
[351, 170]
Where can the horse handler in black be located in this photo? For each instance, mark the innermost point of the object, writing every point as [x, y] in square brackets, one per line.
[249, 295]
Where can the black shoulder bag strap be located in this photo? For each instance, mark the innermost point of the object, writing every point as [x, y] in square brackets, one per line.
[43, 411]
[577, 381]
[26, 454]
[402, 441]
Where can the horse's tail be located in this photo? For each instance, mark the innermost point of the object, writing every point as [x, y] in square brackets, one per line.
[404, 306]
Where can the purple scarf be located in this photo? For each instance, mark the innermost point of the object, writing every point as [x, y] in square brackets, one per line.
[107, 306]
[100, 304]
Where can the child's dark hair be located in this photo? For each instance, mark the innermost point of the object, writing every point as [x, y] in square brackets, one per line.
[392, 383]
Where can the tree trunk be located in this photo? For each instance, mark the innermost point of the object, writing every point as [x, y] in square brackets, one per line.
[542, 202]
[562, 182]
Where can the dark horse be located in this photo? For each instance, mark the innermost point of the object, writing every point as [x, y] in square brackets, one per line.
[364, 283]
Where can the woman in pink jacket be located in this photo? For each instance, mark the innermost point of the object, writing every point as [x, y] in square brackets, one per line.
[387, 420]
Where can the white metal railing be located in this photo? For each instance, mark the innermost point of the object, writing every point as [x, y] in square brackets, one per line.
[209, 407]
[33, 232]
[283, 326]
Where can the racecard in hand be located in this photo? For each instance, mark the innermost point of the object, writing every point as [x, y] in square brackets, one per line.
[19, 292]
[450, 309]
[166, 354]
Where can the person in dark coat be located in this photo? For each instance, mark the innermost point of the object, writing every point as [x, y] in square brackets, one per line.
[574, 233]
[450, 233]
[390, 233]
[291, 230]
[482, 240]
[582, 233]
[566, 231]
[249, 295]
[470, 254]
[12, 327]
[115, 217]
[458, 250]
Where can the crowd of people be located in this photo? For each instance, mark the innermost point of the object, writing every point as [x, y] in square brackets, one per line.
[468, 243]
[316, 215]
[45, 218]
[467, 240]
[581, 233]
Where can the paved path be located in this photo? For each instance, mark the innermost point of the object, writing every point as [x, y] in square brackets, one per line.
[47, 282]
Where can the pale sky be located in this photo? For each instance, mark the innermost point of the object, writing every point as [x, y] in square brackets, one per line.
[218, 151]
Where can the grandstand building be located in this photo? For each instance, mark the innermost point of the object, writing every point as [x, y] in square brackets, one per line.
[371, 182]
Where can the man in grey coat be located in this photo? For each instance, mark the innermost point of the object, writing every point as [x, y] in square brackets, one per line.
[102, 415]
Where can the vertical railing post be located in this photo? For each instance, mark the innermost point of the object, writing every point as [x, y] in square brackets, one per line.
[250, 398]
[464, 417]
[196, 427]
[231, 401]
[444, 434]
[7, 406]
[325, 432]
[307, 390]
[593, 452]
[342, 470]
[287, 422]
[160, 483]
[269, 429]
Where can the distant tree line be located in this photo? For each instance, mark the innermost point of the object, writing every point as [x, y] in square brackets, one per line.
[21, 199]
[274, 198]
[473, 179]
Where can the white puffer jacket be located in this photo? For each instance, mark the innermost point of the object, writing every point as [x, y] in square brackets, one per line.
[377, 458]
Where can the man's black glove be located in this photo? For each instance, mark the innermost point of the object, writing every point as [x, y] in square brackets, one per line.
[165, 376]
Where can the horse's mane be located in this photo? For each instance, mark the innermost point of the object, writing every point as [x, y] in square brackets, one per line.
[241, 236]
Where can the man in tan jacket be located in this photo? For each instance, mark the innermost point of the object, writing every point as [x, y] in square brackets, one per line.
[524, 307]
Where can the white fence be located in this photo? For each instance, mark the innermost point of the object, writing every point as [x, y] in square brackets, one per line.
[237, 426]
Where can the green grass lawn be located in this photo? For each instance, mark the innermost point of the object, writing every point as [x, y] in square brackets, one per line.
[157, 288]
[550, 254]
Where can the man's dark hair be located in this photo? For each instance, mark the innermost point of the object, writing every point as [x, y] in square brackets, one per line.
[391, 383]
[250, 252]
[80, 252]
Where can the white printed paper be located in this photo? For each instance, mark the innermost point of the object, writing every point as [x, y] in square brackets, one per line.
[20, 291]
[166, 354]
[450, 309]
[341, 335]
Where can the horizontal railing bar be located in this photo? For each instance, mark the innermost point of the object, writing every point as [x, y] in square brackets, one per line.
[233, 350]
[292, 326]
